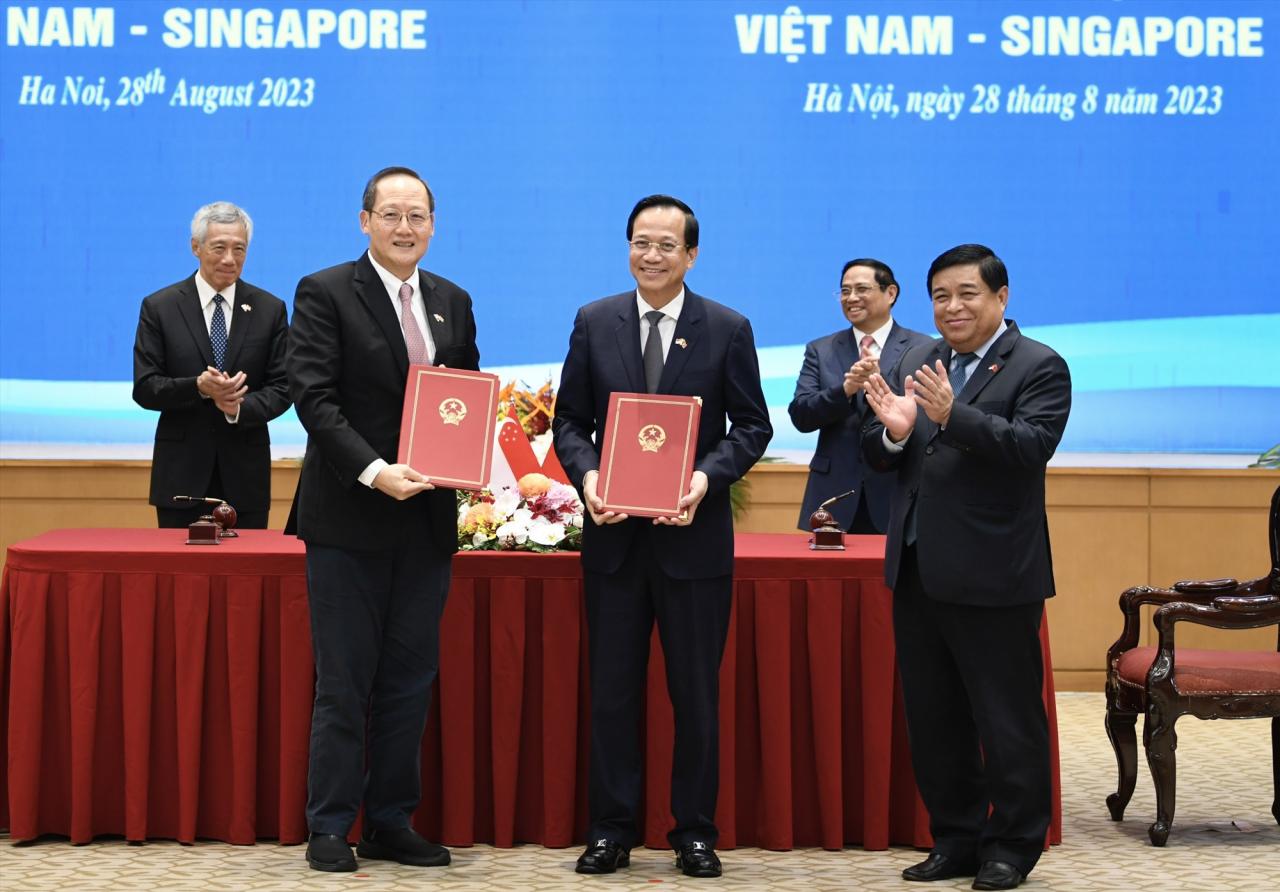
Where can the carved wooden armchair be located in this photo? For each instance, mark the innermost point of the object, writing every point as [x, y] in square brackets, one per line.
[1165, 682]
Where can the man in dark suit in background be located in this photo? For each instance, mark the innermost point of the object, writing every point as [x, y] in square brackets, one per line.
[970, 423]
[212, 439]
[829, 397]
[380, 538]
[659, 338]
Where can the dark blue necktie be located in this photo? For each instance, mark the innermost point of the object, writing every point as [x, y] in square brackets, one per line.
[960, 371]
[218, 332]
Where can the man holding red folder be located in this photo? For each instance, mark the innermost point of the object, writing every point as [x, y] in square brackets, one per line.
[659, 338]
[379, 537]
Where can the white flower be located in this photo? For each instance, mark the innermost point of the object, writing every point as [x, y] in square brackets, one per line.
[462, 512]
[480, 538]
[543, 532]
[512, 533]
[505, 503]
[576, 520]
[522, 516]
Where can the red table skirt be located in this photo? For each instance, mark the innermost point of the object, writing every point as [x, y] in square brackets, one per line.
[153, 690]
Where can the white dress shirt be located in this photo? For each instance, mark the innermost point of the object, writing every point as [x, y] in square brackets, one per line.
[878, 338]
[666, 325]
[206, 293]
[419, 308]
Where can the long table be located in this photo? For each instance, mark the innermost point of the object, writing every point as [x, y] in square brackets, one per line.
[151, 689]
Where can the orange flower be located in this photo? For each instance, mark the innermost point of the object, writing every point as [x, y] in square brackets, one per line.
[480, 514]
[531, 485]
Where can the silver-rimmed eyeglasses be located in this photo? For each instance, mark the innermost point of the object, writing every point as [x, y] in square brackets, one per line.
[391, 219]
[642, 246]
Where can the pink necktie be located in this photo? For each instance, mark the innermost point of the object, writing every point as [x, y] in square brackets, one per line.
[413, 339]
[867, 343]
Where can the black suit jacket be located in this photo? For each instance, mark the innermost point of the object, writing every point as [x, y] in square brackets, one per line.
[170, 351]
[978, 486]
[718, 364]
[820, 404]
[347, 371]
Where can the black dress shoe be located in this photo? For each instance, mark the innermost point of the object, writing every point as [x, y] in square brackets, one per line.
[326, 851]
[940, 867]
[697, 859]
[603, 856]
[402, 845]
[997, 875]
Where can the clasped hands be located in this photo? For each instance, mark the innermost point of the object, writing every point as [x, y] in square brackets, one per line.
[226, 391]
[860, 373]
[688, 504]
[928, 389]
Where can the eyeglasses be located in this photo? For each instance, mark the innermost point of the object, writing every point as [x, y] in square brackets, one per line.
[642, 246]
[861, 291]
[391, 219]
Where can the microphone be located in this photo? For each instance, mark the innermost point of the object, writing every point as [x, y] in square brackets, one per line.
[831, 501]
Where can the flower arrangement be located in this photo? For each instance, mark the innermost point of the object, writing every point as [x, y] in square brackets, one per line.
[539, 514]
[532, 409]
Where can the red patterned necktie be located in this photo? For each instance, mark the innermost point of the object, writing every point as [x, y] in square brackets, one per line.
[413, 339]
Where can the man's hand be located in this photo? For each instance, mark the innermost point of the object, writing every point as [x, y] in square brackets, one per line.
[896, 413]
[859, 373]
[226, 391]
[401, 482]
[688, 505]
[933, 393]
[595, 507]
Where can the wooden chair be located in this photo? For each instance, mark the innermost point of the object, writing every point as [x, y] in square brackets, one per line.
[1164, 682]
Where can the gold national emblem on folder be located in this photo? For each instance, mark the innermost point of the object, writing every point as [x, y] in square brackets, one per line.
[651, 437]
[452, 411]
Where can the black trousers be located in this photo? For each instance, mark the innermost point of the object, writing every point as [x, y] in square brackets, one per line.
[178, 516]
[693, 624]
[972, 680]
[375, 630]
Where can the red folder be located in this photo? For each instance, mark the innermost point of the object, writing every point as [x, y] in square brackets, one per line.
[646, 459]
[446, 431]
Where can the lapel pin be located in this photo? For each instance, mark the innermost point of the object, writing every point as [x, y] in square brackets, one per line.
[246, 308]
[437, 317]
[993, 368]
[681, 343]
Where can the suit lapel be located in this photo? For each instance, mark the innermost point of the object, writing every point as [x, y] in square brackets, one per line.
[894, 345]
[193, 315]
[628, 338]
[373, 294]
[845, 350]
[689, 329]
[991, 363]
[240, 313]
[434, 306]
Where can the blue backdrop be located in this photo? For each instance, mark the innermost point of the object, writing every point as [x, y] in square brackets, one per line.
[1120, 157]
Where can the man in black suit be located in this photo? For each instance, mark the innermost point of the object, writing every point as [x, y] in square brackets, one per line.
[380, 538]
[829, 397]
[659, 338]
[212, 439]
[970, 423]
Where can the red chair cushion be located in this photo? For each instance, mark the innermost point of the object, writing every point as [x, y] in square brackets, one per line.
[1208, 671]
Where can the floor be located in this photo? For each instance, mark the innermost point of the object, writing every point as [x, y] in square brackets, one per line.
[1224, 839]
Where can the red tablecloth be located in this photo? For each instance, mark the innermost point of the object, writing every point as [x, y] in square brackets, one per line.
[154, 689]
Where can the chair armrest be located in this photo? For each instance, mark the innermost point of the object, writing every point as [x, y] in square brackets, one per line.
[1223, 613]
[1205, 586]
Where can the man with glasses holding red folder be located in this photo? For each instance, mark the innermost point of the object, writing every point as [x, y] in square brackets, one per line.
[660, 338]
[379, 537]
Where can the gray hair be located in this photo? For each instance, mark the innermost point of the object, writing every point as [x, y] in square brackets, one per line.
[220, 212]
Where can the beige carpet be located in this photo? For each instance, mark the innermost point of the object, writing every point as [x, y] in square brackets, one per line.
[1224, 839]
